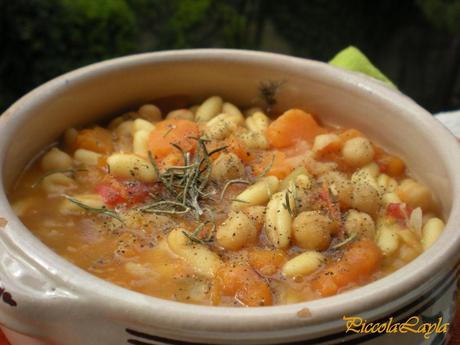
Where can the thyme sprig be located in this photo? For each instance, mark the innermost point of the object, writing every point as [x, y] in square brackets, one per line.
[99, 210]
[55, 171]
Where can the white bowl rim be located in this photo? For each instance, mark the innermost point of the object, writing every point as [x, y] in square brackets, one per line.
[382, 291]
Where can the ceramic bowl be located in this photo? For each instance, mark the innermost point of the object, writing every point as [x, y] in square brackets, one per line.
[47, 300]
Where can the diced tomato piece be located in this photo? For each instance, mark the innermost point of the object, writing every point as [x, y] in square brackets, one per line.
[398, 211]
[136, 191]
[111, 195]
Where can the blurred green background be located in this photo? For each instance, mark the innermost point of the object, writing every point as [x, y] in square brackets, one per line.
[416, 43]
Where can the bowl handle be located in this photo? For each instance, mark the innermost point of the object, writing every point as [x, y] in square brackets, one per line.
[30, 299]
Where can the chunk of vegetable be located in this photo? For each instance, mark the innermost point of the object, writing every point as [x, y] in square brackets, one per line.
[360, 260]
[173, 131]
[292, 126]
[241, 283]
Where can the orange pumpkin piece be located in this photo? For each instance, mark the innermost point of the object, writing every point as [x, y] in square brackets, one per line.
[174, 131]
[279, 168]
[243, 284]
[267, 261]
[357, 264]
[292, 126]
[391, 165]
[95, 139]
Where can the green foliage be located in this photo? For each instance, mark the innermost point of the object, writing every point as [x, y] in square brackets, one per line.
[177, 24]
[445, 14]
[42, 39]
[319, 29]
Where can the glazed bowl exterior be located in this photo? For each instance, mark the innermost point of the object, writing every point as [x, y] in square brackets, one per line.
[47, 300]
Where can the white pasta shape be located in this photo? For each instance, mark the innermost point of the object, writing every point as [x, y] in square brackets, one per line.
[257, 194]
[386, 184]
[364, 175]
[127, 165]
[150, 112]
[56, 159]
[70, 136]
[87, 157]
[142, 125]
[415, 194]
[115, 123]
[431, 232]
[390, 198]
[278, 219]
[387, 240]
[250, 111]
[220, 127]
[410, 238]
[253, 140]
[208, 109]
[125, 129]
[257, 122]
[23, 205]
[233, 111]
[226, 167]
[203, 261]
[57, 183]
[140, 143]
[236, 231]
[92, 200]
[181, 114]
[303, 264]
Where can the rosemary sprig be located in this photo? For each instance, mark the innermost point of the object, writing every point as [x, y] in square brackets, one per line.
[239, 200]
[287, 204]
[194, 236]
[156, 207]
[267, 168]
[55, 171]
[349, 239]
[187, 185]
[230, 182]
[99, 210]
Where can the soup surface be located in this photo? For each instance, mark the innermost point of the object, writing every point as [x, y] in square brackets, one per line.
[212, 205]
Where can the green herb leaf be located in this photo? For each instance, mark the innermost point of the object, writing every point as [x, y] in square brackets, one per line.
[99, 210]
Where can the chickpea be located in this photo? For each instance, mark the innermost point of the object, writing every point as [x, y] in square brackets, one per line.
[311, 230]
[359, 223]
[365, 198]
[56, 159]
[226, 167]
[415, 194]
[236, 231]
[357, 152]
